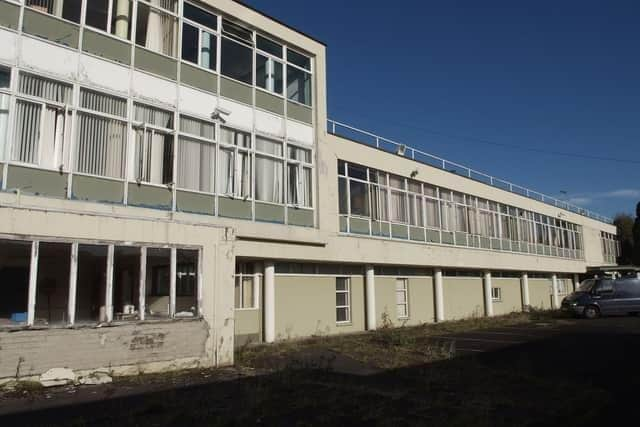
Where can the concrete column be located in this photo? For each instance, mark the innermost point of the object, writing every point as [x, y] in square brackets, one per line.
[576, 282]
[488, 299]
[554, 291]
[269, 302]
[370, 297]
[524, 284]
[122, 18]
[437, 286]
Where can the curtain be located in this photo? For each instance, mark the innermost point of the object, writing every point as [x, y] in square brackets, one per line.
[100, 146]
[4, 125]
[26, 146]
[432, 213]
[398, 207]
[161, 29]
[226, 171]
[153, 156]
[269, 174]
[196, 162]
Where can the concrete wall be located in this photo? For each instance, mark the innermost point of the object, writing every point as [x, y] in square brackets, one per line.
[540, 293]
[306, 305]
[248, 326]
[34, 352]
[420, 295]
[463, 297]
[511, 295]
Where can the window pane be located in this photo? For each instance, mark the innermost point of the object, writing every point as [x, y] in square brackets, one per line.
[359, 198]
[342, 283]
[237, 61]
[121, 18]
[5, 78]
[15, 257]
[237, 32]
[153, 160]
[198, 15]
[156, 30]
[268, 146]
[4, 120]
[52, 288]
[342, 196]
[196, 162]
[197, 127]
[189, 43]
[234, 137]
[126, 283]
[226, 172]
[103, 103]
[91, 284]
[27, 132]
[269, 180]
[187, 283]
[97, 14]
[100, 146]
[42, 87]
[237, 292]
[208, 50]
[342, 299]
[247, 292]
[153, 116]
[432, 213]
[301, 154]
[342, 314]
[398, 207]
[158, 282]
[269, 74]
[299, 59]
[269, 46]
[298, 85]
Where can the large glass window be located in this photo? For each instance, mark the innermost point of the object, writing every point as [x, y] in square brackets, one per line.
[126, 283]
[91, 287]
[187, 283]
[234, 164]
[101, 137]
[237, 52]
[156, 29]
[298, 77]
[269, 171]
[196, 155]
[5, 99]
[153, 156]
[199, 43]
[15, 262]
[299, 176]
[112, 16]
[269, 70]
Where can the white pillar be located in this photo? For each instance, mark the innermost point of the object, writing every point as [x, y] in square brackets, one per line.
[524, 284]
[109, 288]
[488, 299]
[269, 302]
[172, 282]
[576, 282]
[33, 278]
[437, 285]
[554, 291]
[142, 292]
[73, 284]
[371, 297]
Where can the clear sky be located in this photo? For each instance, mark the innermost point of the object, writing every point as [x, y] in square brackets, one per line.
[505, 87]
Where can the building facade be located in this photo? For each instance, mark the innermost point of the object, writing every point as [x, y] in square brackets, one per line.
[172, 189]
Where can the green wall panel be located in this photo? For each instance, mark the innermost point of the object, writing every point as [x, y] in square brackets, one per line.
[9, 15]
[198, 78]
[106, 47]
[359, 226]
[380, 229]
[399, 231]
[269, 102]
[301, 217]
[37, 181]
[269, 213]
[236, 91]
[447, 238]
[234, 208]
[157, 64]
[299, 112]
[195, 203]
[147, 196]
[50, 28]
[433, 236]
[94, 189]
[461, 239]
[416, 233]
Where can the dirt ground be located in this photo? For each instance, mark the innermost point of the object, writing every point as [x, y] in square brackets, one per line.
[528, 370]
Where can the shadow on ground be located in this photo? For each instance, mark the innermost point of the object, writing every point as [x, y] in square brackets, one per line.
[578, 376]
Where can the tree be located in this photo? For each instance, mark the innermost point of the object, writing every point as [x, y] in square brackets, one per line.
[636, 237]
[625, 225]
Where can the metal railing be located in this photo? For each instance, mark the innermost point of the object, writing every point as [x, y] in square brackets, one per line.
[391, 146]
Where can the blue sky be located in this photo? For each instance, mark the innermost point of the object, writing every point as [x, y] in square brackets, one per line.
[505, 87]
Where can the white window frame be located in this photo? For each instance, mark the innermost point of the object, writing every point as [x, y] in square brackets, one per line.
[300, 167]
[201, 140]
[347, 292]
[405, 291]
[236, 172]
[496, 294]
[201, 28]
[255, 284]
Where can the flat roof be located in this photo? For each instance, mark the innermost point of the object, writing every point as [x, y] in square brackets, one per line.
[284, 24]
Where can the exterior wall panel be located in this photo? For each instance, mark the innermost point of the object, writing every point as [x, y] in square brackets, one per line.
[463, 297]
[9, 15]
[511, 296]
[51, 28]
[540, 293]
[97, 189]
[37, 181]
[106, 47]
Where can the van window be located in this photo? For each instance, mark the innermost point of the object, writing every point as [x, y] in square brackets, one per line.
[628, 287]
[604, 286]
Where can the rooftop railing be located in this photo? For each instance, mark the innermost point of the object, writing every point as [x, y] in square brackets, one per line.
[391, 146]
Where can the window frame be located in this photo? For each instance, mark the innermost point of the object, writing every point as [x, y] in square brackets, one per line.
[199, 139]
[496, 294]
[347, 293]
[216, 33]
[405, 292]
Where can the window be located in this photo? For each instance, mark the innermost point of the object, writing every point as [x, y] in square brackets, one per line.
[402, 298]
[237, 52]
[43, 127]
[343, 197]
[187, 283]
[415, 210]
[299, 176]
[343, 300]
[496, 294]
[126, 283]
[433, 217]
[102, 135]
[379, 203]
[298, 77]
[67, 9]
[52, 285]
[269, 71]
[91, 287]
[269, 171]
[234, 165]
[5, 82]
[199, 43]
[196, 155]
[359, 198]
[246, 287]
[156, 29]
[153, 156]
[15, 263]
[112, 16]
[158, 283]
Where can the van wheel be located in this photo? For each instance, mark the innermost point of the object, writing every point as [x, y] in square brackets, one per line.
[591, 312]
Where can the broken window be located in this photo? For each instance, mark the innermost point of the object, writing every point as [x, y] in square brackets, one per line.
[156, 29]
[187, 283]
[269, 171]
[299, 176]
[158, 283]
[15, 261]
[42, 125]
[153, 157]
[234, 174]
[91, 284]
[5, 82]
[66, 9]
[52, 295]
[112, 16]
[199, 44]
[196, 155]
[237, 52]
[126, 283]
[101, 135]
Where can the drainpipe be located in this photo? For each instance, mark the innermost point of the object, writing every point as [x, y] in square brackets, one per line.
[371, 297]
